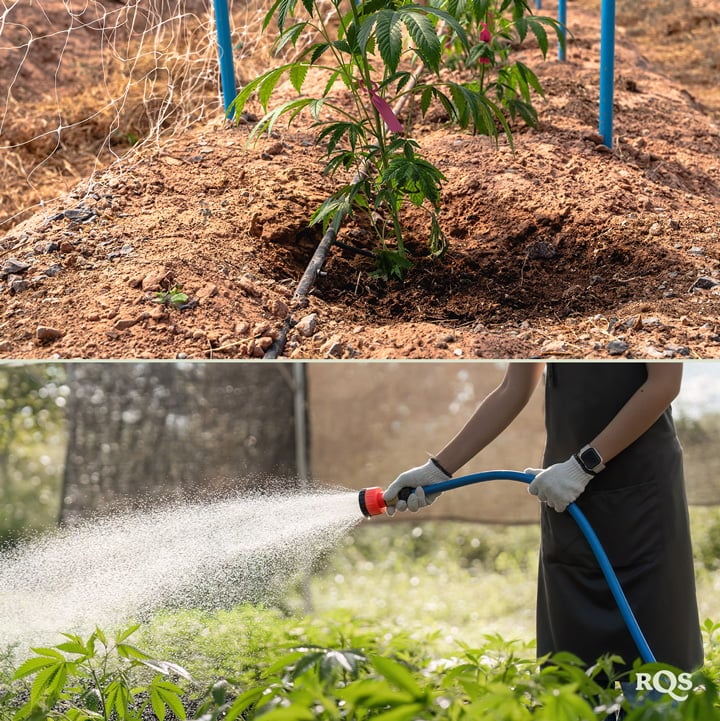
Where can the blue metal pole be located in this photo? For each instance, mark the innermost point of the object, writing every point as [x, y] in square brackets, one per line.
[538, 4]
[607, 70]
[562, 19]
[225, 55]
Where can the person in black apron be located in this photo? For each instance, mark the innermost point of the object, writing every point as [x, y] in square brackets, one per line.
[611, 447]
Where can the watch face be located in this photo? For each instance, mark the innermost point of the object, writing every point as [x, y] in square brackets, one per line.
[591, 458]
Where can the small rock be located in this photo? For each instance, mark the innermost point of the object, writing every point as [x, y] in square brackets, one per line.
[206, 292]
[333, 348]
[125, 323]
[66, 247]
[554, 346]
[242, 327]
[155, 279]
[697, 250]
[265, 342]
[13, 266]
[5, 346]
[53, 270]
[458, 352]
[541, 250]
[262, 328]
[275, 148]
[249, 287]
[279, 309]
[705, 283]
[674, 224]
[45, 334]
[45, 246]
[19, 285]
[307, 326]
[655, 229]
[616, 347]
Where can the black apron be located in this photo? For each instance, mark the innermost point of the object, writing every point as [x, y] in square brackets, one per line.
[638, 508]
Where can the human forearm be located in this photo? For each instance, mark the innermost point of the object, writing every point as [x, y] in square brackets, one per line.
[492, 416]
[643, 408]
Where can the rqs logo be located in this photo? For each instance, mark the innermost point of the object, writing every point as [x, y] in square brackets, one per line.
[675, 685]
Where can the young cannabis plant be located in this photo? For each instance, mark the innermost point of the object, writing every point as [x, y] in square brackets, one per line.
[360, 47]
[495, 28]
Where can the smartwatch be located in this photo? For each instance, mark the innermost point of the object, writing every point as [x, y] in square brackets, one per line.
[590, 460]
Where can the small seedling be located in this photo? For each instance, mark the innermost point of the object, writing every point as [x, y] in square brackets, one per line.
[173, 297]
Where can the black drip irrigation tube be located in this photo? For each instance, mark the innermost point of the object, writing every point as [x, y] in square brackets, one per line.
[306, 283]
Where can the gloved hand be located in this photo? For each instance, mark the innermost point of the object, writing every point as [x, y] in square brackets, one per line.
[414, 478]
[560, 484]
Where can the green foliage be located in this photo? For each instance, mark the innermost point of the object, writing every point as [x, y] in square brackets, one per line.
[378, 52]
[32, 439]
[96, 679]
[175, 297]
[338, 668]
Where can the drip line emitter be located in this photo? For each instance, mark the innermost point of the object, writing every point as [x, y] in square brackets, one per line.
[372, 503]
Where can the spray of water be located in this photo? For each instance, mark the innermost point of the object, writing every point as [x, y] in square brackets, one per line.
[109, 571]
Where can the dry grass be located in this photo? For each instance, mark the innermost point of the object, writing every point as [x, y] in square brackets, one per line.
[84, 83]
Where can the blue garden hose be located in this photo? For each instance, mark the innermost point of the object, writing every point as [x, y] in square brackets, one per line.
[371, 504]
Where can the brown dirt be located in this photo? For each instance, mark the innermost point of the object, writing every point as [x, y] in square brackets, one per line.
[560, 249]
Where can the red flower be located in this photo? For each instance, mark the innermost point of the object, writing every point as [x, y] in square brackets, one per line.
[485, 35]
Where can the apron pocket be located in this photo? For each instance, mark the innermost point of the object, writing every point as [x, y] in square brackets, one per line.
[626, 521]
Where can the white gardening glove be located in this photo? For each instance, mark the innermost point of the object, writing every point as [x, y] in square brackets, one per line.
[560, 484]
[414, 478]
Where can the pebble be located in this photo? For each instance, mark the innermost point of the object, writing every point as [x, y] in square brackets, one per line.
[261, 329]
[307, 325]
[705, 283]
[697, 250]
[19, 285]
[279, 309]
[46, 334]
[248, 287]
[13, 266]
[616, 347]
[208, 291]
[333, 348]
[154, 279]
[5, 346]
[242, 327]
[125, 323]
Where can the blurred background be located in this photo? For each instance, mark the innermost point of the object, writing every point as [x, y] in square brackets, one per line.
[81, 438]
[77, 438]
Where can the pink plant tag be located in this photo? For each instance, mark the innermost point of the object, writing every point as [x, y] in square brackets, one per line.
[385, 111]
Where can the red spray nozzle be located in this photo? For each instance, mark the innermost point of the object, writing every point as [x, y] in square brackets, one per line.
[372, 502]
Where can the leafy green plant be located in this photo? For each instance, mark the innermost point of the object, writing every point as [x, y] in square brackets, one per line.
[174, 297]
[496, 28]
[367, 48]
[95, 679]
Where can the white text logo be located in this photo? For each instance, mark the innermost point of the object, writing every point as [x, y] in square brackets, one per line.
[665, 681]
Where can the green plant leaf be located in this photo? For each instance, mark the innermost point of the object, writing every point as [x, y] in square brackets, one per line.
[243, 702]
[33, 665]
[122, 635]
[171, 698]
[388, 32]
[298, 73]
[158, 706]
[427, 43]
[398, 675]
[289, 35]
